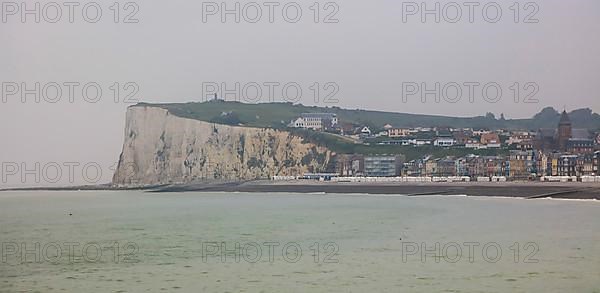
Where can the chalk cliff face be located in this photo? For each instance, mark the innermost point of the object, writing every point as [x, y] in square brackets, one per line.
[162, 148]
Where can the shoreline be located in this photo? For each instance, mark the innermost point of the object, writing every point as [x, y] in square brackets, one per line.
[527, 190]
[530, 190]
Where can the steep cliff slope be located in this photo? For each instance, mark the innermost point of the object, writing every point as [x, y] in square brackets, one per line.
[162, 148]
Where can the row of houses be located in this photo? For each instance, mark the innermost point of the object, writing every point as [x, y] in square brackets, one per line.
[519, 165]
[561, 151]
[563, 138]
[418, 136]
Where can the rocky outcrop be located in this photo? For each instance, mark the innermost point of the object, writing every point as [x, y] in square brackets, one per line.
[161, 148]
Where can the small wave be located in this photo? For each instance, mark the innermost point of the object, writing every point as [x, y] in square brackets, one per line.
[385, 195]
[573, 199]
[501, 197]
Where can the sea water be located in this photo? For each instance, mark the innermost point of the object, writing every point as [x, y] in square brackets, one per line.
[220, 242]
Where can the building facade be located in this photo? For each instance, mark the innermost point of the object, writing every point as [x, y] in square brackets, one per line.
[350, 165]
[567, 165]
[596, 163]
[315, 121]
[522, 164]
[383, 166]
[398, 132]
[444, 142]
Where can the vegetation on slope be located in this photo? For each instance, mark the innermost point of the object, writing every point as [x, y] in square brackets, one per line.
[278, 115]
[341, 146]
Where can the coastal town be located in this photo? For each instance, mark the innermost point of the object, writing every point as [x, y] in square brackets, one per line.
[559, 154]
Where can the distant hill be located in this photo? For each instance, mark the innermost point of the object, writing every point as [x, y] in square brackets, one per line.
[278, 115]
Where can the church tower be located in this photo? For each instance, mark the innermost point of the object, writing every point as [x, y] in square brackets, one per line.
[564, 131]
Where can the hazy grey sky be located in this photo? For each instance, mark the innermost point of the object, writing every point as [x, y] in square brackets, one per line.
[369, 54]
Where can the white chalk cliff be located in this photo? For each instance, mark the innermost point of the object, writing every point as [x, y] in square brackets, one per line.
[161, 148]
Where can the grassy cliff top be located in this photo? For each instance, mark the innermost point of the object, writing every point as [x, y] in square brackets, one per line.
[278, 115]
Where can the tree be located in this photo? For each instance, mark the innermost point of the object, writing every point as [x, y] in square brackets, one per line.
[490, 116]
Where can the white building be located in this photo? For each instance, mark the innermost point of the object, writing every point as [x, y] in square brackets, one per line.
[365, 131]
[480, 132]
[399, 132]
[520, 136]
[315, 121]
[496, 145]
[472, 144]
[420, 142]
[444, 142]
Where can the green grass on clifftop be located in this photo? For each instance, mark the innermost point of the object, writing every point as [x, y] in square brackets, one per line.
[278, 115]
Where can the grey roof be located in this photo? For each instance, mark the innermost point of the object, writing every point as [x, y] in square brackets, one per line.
[580, 134]
[581, 142]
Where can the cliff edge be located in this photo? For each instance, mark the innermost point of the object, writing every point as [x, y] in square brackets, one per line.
[160, 148]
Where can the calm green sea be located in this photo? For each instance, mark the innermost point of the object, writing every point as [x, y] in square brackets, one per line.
[220, 242]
